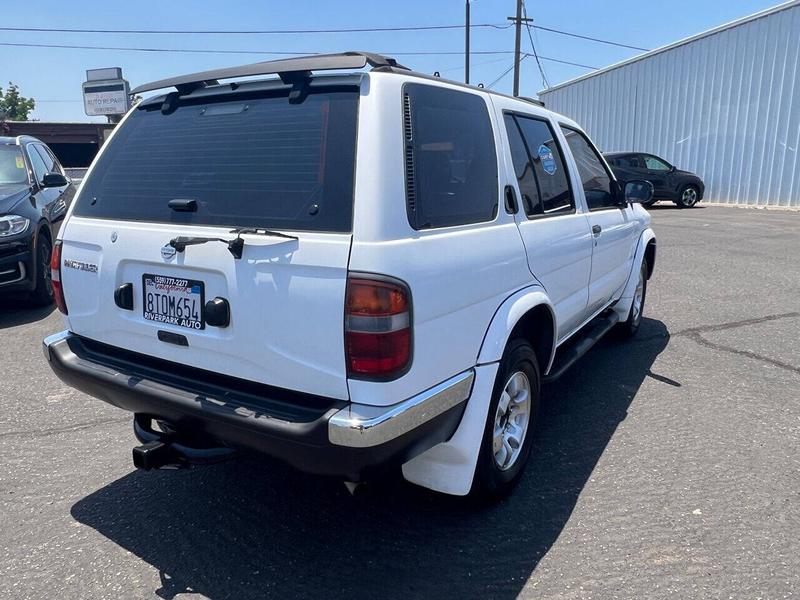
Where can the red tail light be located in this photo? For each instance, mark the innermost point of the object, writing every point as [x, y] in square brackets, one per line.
[377, 327]
[55, 274]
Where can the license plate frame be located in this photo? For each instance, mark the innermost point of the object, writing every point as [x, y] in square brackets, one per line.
[183, 290]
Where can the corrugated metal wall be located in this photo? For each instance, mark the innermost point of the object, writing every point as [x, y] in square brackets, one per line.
[726, 106]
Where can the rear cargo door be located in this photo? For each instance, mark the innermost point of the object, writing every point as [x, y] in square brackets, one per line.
[199, 173]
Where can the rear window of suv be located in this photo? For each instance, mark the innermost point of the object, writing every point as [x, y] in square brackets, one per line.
[451, 164]
[256, 162]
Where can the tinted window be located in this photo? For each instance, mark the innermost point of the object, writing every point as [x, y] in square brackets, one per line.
[523, 169]
[39, 168]
[597, 185]
[46, 151]
[630, 161]
[655, 164]
[451, 165]
[12, 166]
[47, 158]
[548, 167]
[260, 162]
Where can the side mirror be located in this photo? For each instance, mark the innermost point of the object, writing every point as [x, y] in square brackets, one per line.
[54, 180]
[638, 192]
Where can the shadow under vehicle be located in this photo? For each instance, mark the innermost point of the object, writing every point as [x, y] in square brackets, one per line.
[232, 531]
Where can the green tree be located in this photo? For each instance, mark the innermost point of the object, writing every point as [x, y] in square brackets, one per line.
[15, 106]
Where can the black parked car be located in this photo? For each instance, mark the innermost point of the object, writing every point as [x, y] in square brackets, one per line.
[669, 183]
[34, 196]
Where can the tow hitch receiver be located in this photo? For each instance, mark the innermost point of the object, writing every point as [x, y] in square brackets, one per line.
[156, 455]
[164, 451]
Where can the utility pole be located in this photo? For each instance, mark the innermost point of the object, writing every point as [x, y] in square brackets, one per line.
[466, 45]
[518, 20]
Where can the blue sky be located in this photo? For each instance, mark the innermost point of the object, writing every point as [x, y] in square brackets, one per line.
[54, 76]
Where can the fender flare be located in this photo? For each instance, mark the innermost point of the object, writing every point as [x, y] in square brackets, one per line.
[623, 305]
[506, 318]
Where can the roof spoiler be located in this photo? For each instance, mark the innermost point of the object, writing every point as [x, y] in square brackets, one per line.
[289, 70]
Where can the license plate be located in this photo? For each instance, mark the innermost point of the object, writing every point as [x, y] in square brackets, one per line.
[174, 301]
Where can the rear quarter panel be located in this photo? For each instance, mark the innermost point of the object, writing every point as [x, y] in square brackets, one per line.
[458, 276]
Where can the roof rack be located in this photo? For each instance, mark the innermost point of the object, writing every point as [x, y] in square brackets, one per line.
[535, 101]
[290, 70]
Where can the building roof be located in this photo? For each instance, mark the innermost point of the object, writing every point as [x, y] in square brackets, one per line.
[683, 42]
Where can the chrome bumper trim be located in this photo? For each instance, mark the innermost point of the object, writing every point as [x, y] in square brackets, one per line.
[363, 426]
[23, 273]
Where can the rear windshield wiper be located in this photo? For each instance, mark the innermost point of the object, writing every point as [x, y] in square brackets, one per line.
[261, 231]
[235, 246]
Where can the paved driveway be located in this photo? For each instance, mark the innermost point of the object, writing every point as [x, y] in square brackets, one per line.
[664, 467]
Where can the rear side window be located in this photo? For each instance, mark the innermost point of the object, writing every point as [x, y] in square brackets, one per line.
[655, 164]
[39, 167]
[255, 162]
[49, 160]
[539, 167]
[451, 163]
[631, 161]
[597, 185]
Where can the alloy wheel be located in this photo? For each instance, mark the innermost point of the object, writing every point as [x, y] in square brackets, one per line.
[689, 197]
[511, 420]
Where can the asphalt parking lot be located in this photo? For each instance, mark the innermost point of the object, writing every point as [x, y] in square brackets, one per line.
[668, 466]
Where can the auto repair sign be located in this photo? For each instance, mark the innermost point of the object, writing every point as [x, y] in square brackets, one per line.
[106, 98]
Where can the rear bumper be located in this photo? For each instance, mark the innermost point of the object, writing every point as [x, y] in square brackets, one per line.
[316, 435]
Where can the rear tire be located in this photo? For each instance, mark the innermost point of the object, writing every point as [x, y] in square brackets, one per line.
[508, 434]
[631, 325]
[688, 197]
[42, 294]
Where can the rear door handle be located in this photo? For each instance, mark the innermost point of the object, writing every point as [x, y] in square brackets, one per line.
[596, 229]
[511, 200]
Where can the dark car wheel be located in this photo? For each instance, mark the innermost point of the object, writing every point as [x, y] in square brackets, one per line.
[508, 436]
[42, 294]
[688, 197]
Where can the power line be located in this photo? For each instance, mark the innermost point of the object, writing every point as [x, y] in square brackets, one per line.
[590, 38]
[480, 64]
[209, 51]
[270, 53]
[302, 31]
[567, 62]
[533, 46]
[254, 31]
[507, 71]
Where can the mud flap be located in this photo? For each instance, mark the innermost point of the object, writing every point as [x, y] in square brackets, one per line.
[449, 467]
[623, 305]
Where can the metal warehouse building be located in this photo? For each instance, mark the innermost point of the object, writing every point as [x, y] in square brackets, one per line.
[724, 104]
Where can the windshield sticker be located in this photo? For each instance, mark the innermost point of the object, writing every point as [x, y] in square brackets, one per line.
[20, 162]
[548, 162]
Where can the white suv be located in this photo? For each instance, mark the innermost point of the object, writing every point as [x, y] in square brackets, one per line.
[346, 271]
